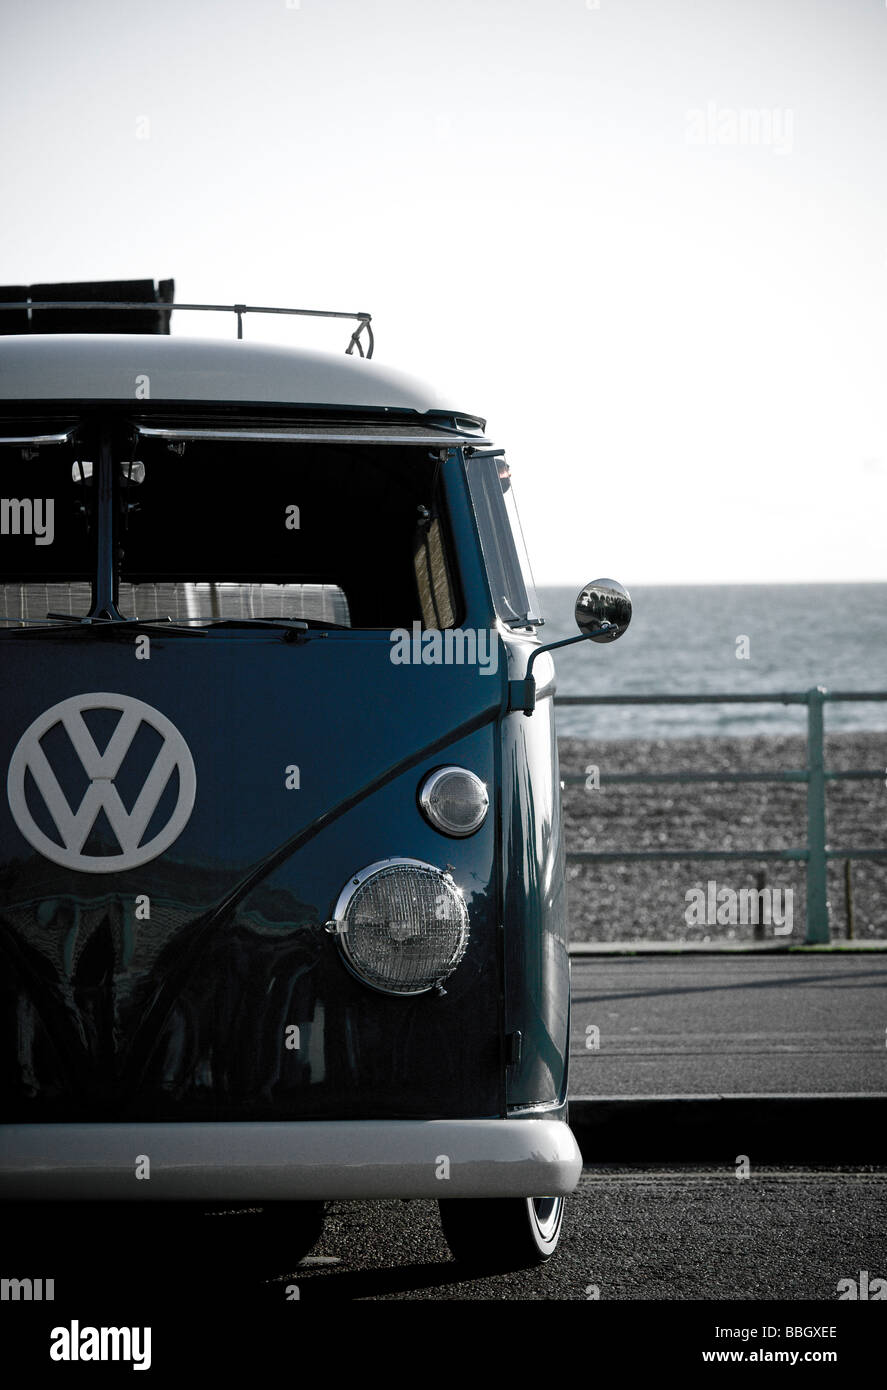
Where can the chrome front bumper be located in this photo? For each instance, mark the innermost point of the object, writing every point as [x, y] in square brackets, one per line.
[288, 1160]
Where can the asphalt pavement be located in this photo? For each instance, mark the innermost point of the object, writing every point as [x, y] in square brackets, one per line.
[751, 1024]
[630, 1233]
[693, 1057]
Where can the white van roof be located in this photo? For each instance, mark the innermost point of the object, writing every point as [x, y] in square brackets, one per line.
[108, 367]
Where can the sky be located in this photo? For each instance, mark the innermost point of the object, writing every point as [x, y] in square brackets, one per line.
[646, 240]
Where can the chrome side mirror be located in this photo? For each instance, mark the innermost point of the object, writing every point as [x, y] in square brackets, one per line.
[603, 610]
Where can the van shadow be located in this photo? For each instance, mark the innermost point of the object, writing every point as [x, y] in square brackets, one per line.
[163, 1258]
[344, 1286]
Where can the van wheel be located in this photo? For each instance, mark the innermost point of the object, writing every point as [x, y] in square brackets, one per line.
[505, 1232]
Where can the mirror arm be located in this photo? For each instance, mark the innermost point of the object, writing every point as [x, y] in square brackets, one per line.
[522, 694]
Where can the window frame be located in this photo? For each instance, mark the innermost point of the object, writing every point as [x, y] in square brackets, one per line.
[499, 531]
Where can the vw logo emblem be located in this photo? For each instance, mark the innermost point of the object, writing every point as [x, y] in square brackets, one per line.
[74, 826]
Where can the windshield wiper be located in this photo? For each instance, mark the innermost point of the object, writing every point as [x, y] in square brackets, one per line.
[63, 622]
[298, 624]
[288, 624]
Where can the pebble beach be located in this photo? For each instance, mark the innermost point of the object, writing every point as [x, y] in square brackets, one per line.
[652, 901]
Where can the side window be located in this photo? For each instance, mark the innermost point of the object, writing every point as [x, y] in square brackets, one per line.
[501, 538]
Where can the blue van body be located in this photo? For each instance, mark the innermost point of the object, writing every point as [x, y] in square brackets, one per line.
[195, 801]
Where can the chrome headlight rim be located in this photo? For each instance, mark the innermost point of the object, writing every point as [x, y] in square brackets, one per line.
[427, 788]
[338, 923]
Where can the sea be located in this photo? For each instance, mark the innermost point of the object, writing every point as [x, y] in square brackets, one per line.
[725, 639]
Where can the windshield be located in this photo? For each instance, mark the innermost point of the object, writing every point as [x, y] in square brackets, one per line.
[213, 530]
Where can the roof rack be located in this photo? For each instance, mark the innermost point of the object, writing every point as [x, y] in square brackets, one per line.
[39, 315]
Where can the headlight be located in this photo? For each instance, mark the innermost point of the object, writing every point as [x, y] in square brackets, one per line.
[454, 800]
[402, 926]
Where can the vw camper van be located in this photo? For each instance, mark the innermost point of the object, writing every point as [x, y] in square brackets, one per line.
[282, 905]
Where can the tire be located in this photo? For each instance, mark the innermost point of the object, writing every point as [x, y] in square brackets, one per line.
[502, 1233]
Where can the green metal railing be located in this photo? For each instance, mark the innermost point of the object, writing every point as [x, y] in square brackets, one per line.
[816, 854]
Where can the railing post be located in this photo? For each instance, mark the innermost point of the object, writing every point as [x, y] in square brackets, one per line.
[817, 864]
[848, 897]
